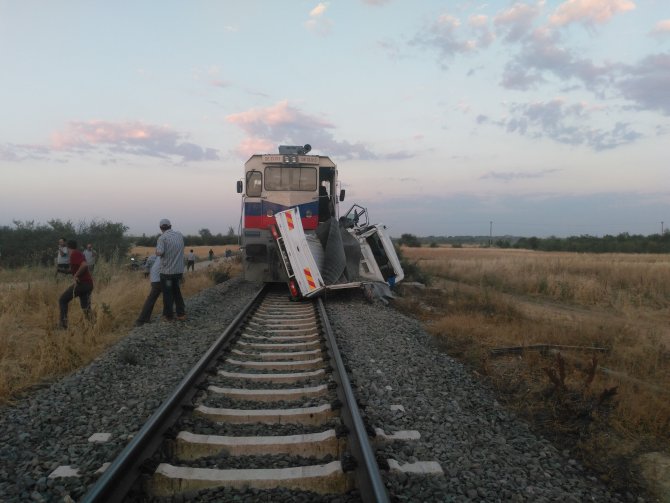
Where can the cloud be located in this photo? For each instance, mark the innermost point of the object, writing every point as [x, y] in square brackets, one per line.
[132, 138]
[480, 27]
[542, 56]
[220, 83]
[444, 35]
[317, 22]
[508, 176]
[589, 12]
[517, 21]
[541, 52]
[16, 153]
[647, 83]
[283, 124]
[376, 2]
[392, 49]
[563, 123]
[519, 77]
[661, 29]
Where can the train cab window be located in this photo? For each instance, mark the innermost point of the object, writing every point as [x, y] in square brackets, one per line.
[254, 183]
[290, 178]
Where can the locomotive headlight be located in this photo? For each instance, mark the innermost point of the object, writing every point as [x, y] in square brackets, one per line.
[308, 214]
[270, 213]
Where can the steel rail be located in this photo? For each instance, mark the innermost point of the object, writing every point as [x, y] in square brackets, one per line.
[367, 473]
[120, 476]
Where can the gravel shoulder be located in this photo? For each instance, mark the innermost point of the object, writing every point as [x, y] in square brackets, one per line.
[487, 454]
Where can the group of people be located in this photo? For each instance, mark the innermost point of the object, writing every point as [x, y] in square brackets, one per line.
[63, 258]
[166, 275]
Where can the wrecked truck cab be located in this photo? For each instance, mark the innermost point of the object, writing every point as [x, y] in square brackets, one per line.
[338, 256]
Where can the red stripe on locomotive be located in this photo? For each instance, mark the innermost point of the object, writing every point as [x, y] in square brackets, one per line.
[264, 222]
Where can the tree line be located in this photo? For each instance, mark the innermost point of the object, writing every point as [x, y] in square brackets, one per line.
[28, 243]
[620, 243]
[204, 238]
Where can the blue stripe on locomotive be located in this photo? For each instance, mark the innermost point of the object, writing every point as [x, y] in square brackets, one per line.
[253, 209]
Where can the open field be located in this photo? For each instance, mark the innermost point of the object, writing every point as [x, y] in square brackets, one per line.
[613, 308]
[33, 351]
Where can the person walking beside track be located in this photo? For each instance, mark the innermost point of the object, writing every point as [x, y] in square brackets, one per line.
[82, 287]
[190, 261]
[154, 293]
[170, 248]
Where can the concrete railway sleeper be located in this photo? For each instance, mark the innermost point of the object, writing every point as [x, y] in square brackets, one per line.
[269, 407]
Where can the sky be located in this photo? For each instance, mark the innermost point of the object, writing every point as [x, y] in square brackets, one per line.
[446, 118]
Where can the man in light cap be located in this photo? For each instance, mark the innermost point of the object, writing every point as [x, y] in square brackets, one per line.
[170, 248]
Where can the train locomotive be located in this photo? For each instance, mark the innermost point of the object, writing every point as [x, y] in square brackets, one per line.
[292, 231]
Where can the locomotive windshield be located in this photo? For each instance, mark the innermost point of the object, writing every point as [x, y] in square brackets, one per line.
[290, 178]
[254, 183]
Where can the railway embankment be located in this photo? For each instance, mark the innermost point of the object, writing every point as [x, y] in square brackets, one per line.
[54, 440]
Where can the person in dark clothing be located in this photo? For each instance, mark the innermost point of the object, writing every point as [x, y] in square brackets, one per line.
[154, 293]
[82, 287]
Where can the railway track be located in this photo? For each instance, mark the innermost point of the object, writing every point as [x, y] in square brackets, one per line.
[269, 407]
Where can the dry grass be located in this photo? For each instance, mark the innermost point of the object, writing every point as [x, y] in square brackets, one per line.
[32, 350]
[482, 299]
[202, 252]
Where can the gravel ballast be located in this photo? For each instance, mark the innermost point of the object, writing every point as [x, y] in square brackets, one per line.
[485, 452]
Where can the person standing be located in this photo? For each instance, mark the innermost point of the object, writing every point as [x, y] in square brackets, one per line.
[211, 254]
[90, 255]
[82, 287]
[154, 293]
[63, 258]
[170, 248]
[190, 261]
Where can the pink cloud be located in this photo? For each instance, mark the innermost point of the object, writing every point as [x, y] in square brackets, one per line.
[517, 20]
[250, 146]
[317, 22]
[662, 28]
[87, 134]
[589, 11]
[271, 116]
[284, 124]
[134, 138]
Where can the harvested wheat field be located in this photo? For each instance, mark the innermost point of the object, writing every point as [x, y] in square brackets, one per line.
[578, 344]
[34, 351]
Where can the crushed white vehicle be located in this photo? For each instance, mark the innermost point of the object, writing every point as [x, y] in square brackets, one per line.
[349, 253]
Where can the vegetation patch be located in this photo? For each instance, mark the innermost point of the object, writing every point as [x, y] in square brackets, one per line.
[33, 350]
[576, 344]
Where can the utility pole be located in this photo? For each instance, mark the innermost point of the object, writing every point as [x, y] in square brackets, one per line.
[491, 233]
